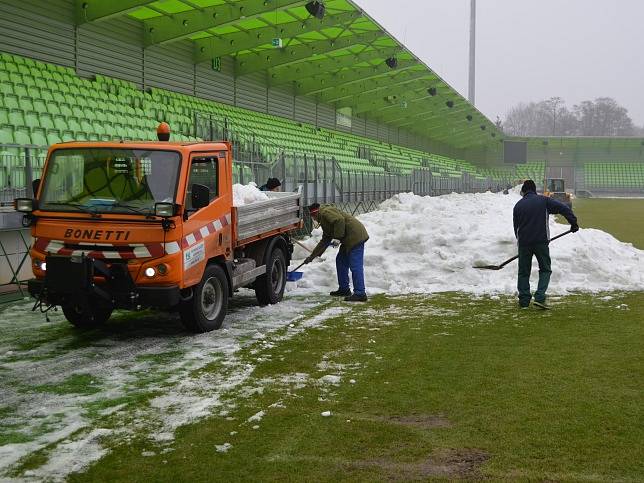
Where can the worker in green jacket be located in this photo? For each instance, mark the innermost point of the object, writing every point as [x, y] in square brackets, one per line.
[338, 225]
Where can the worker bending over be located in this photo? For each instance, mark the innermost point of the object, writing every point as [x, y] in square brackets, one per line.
[531, 217]
[352, 234]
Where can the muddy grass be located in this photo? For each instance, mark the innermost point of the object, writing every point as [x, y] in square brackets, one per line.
[448, 463]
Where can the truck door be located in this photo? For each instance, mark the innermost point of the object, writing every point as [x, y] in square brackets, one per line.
[206, 230]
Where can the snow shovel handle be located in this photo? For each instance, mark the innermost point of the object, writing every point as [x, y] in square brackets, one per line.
[296, 268]
[517, 256]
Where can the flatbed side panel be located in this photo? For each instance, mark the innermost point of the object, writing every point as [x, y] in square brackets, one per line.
[277, 231]
[281, 213]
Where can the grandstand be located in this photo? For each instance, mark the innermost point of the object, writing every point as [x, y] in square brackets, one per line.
[102, 71]
[45, 104]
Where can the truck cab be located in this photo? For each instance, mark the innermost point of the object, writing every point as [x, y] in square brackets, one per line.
[555, 189]
[134, 225]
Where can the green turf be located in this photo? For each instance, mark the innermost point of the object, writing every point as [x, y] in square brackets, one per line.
[445, 387]
[623, 218]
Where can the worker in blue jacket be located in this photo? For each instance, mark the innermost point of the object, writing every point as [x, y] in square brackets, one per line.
[531, 216]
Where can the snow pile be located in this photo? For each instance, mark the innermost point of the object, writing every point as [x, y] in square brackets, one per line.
[430, 244]
[247, 194]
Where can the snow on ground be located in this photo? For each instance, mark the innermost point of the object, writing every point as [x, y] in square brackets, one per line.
[60, 390]
[67, 395]
[245, 194]
[429, 244]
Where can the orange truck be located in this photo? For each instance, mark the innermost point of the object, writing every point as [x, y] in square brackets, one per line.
[134, 225]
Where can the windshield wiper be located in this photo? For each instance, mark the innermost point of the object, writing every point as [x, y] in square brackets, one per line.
[84, 208]
[133, 209]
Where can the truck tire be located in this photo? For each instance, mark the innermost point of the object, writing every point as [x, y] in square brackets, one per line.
[269, 288]
[207, 308]
[97, 316]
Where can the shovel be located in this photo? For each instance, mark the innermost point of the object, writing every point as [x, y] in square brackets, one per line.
[499, 267]
[294, 276]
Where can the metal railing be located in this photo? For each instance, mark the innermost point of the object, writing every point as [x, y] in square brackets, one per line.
[322, 179]
[19, 166]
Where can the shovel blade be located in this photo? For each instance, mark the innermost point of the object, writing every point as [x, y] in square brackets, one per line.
[294, 276]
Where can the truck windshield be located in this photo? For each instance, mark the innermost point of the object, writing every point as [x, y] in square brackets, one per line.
[109, 180]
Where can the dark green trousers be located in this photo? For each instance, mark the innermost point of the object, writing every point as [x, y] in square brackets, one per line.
[542, 253]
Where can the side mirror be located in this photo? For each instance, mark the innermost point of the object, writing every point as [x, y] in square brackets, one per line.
[35, 185]
[200, 196]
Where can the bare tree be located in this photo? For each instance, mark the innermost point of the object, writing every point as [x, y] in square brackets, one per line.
[603, 117]
[551, 117]
[545, 118]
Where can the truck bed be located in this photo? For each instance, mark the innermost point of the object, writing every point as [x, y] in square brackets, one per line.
[281, 213]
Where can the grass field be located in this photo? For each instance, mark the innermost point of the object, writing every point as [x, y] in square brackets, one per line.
[623, 218]
[444, 387]
[418, 387]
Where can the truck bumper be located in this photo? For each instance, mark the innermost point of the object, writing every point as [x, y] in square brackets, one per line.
[137, 298]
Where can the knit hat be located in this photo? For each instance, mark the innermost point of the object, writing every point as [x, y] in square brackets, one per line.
[528, 185]
[273, 183]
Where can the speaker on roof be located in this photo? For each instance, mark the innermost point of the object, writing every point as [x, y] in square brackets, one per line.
[449, 104]
[431, 91]
[317, 9]
[392, 62]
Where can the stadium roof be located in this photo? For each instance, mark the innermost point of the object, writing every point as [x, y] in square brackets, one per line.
[345, 58]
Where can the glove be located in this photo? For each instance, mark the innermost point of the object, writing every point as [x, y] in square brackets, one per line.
[309, 259]
[574, 228]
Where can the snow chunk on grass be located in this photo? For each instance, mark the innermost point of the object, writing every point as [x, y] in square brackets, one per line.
[330, 379]
[223, 448]
[256, 417]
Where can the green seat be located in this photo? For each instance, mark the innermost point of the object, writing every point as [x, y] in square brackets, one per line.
[6, 135]
[11, 101]
[39, 138]
[53, 137]
[60, 123]
[68, 136]
[53, 109]
[31, 120]
[73, 124]
[16, 118]
[65, 110]
[21, 136]
[46, 95]
[46, 121]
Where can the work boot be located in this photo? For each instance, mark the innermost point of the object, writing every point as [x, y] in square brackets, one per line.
[340, 293]
[355, 298]
[541, 305]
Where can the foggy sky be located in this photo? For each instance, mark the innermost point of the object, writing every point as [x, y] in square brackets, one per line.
[527, 50]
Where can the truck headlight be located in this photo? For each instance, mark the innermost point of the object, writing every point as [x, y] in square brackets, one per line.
[150, 272]
[164, 210]
[23, 205]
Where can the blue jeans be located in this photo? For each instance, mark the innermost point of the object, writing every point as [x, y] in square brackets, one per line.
[353, 260]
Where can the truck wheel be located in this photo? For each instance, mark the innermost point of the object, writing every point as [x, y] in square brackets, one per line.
[207, 308]
[83, 320]
[269, 288]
